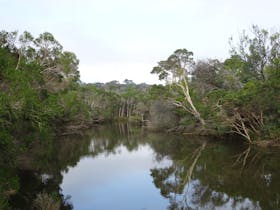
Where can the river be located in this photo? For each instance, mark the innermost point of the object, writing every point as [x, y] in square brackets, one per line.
[120, 167]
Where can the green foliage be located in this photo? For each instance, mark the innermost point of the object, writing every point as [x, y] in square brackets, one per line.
[254, 52]
[37, 87]
[6, 143]
[159, 91]
[175, 67]
[39, 94]
[9, 185]
[72, 105]
[46, 201]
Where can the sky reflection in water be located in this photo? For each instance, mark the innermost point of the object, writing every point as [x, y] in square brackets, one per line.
[148, 171]
[115, 181]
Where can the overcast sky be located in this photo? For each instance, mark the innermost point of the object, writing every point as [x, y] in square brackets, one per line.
[119, 39]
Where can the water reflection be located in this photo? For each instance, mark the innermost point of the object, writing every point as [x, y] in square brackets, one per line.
[119, 180]
[125, 167]
[221, 179]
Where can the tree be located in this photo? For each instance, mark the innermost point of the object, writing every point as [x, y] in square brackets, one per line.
[175, 71]
[68, 62]
[8, 39]
[48, 49]
[128, 82]
[257, 50]
[60, 68]
[25, 48]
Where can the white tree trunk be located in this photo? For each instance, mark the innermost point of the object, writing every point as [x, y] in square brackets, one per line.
[185, 88]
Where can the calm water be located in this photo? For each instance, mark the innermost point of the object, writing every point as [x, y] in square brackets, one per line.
[126, 168]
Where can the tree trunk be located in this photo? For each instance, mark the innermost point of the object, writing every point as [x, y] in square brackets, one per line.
[131, 109]
[120, 110]
[195, 112]
[19, 59]
[127, 109]
[185, 88]
[123, 108]
[240, 127]
[142, 117]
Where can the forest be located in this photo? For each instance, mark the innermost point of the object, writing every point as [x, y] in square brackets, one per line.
[42, 96]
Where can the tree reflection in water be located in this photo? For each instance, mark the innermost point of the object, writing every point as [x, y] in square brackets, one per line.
[202, 174]
[217, 178]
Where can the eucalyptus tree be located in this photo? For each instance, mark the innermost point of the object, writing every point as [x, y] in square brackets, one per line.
[22, 45]
[255, 51]
[31, 70]
[48, 49]
[8, 39]
[176, 71]
[253, 110]
[69, 63]
[60, 68]
[25, 49]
